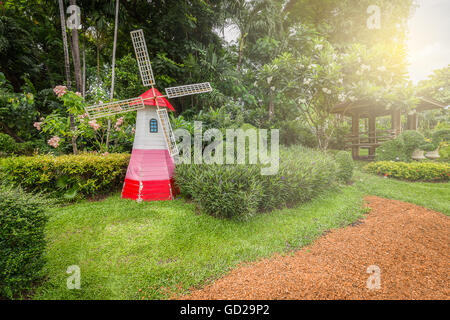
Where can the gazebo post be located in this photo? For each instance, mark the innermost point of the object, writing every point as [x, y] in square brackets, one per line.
[396, 122]
[372, 134]
[412, 121]
[355, 136]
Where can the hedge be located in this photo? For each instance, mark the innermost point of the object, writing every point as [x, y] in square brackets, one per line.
[413, 171]
[240, 191]
[71, 176]
[22, 221]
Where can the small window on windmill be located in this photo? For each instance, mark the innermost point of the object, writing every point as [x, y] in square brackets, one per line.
[153, 126]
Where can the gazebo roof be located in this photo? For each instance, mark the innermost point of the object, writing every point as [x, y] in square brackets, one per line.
[365, 106]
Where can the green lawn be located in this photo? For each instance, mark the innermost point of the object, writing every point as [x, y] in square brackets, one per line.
[122, 246]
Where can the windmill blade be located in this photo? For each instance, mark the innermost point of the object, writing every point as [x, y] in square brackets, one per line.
[167, 130]
[189, 89]
[116, 107]
[140, 48]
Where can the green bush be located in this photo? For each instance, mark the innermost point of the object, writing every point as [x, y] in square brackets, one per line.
[9, 146]
[71, 176]
[441, 136]
[241, 191]
[444, 152]
[22, 221]
[293, 133]
[345, 166]
[414, 171]
[392, 150]
[411, 141]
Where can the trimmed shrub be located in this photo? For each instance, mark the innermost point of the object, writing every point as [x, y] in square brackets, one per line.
[71, 176]
[22, 221]
[411, 141]
[414, 171]
[345, 166]
[240, 191]
[392, 150]
[441, 136]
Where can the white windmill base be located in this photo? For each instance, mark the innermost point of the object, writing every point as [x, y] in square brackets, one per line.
[150, 171]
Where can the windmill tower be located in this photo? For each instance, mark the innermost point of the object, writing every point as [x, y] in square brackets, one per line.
[150, 171]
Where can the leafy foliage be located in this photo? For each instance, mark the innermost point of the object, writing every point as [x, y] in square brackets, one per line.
[401, 148]
[411, 140]
[414, 171]
[67, 176]
[238, 191]
[8, 146]
[392, 150]
[22, 240]
[345, 166]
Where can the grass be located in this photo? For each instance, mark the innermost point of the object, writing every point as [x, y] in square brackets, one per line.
[122, 246]
[129, 250]
[430, 195]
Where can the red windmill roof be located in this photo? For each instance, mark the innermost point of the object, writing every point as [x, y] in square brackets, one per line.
[162, 102]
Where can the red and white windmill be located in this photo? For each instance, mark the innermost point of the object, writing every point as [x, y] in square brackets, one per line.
[150, 171]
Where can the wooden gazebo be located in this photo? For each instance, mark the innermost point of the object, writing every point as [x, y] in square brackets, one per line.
[372, 138]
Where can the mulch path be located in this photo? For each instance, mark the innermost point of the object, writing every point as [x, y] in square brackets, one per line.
[410, 245]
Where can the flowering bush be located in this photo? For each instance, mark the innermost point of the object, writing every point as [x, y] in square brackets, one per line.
[91, 132]
[414, 171]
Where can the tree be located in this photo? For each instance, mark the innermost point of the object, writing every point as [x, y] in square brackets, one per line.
[67, 65]
[116, 25]
[437, 86]
[252, 17]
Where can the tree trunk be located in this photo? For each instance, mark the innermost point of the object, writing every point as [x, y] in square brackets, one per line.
[76, 55]
[67, 65]
[78, 77]
[66, 47]
[116, 24]
[271, 106]
[84, 70]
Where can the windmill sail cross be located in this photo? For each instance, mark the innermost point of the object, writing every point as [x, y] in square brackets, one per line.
[113, 108]
[189, 89]
[143, 60]
[168, 133]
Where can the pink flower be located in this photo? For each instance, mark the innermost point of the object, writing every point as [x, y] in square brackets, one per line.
[82, 116]
[78, 93]
[60, 90]
[118, 124]
[105, 154]
[119, 121]
[94, 124]
[37, 125]
[54, 141]
[133, 131]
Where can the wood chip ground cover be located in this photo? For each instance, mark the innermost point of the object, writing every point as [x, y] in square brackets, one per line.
[410, 245]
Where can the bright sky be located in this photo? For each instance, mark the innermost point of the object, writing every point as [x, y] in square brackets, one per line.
[429, 38]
